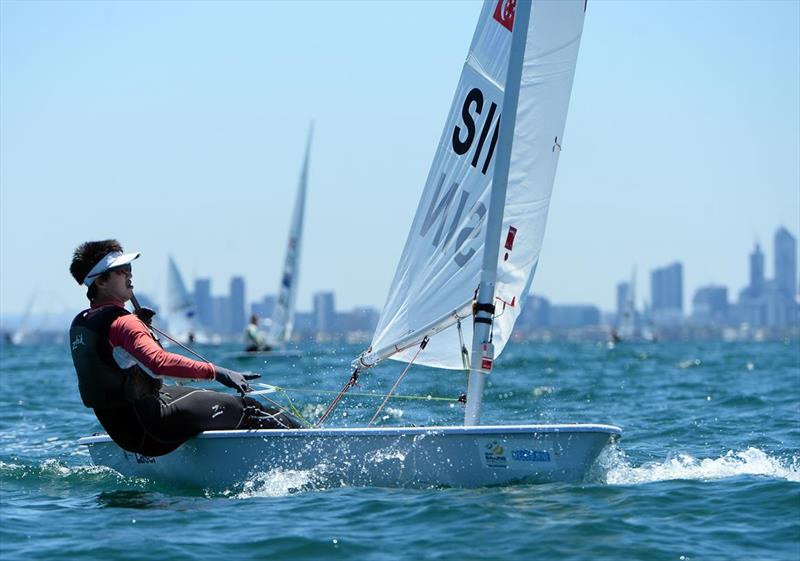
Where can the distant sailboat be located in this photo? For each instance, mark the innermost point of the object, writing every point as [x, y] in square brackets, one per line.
[17, 337]
[626, 330]
[282, 321]
[470, 257]
[283, 316]
[181, 312]
[629, 327]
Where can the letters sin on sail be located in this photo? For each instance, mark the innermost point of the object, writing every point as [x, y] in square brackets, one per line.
[283, 316]
[440, 265]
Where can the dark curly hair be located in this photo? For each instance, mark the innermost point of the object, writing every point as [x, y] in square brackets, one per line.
[86, 256]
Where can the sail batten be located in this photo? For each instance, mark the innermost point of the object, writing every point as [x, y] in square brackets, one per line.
[441, 263]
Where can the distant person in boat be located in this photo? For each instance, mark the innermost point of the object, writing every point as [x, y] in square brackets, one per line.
[254, 339]
[120, 365]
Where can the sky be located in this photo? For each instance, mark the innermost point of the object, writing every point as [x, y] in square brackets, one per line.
[179, 128]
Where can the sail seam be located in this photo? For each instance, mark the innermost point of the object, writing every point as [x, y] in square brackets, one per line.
[473, 63]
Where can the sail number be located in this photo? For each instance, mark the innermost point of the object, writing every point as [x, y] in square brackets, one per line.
[471, 111]
[453, 226]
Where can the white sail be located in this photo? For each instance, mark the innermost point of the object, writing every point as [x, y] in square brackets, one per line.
[439, 269]
[436, 456]
[181, 310]
[283, 316]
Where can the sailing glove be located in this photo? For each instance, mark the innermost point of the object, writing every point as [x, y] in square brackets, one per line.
[233, 379]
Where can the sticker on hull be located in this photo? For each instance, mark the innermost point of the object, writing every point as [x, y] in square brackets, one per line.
[501, 454]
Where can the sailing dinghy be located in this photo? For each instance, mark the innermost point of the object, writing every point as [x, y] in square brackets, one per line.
[181, 311]
[280, 329]
[468, 262]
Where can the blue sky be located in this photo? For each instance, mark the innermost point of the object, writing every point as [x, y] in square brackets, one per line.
[180, 127]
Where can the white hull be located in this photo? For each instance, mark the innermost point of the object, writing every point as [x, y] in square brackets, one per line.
[376, 457]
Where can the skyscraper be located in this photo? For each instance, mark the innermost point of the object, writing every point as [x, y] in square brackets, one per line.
[202, 299]
[785, 262]
[623, 296]
[756, 272]
[666, 293]
[221, 314]
[710, 305]
[324, 312]
[265, 308]
[752, 307]
[782, 309]
[237, 317]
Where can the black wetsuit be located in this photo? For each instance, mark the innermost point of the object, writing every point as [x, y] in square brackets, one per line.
[158, 424]
[141, 414]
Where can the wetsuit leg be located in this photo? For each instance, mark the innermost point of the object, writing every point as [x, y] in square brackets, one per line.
[258, 416]
[158, 424]
[181, 412]
[122, 425]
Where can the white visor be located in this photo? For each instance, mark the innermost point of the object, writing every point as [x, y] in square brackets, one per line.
[113, 259]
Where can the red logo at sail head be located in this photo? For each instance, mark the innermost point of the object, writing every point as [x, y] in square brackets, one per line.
[504, 13]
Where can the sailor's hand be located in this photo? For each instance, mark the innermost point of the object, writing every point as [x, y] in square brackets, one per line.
[146, 315]
[232, 379]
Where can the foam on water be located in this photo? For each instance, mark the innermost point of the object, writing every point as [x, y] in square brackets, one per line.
[53, 470]
[752, 461]
[281, 482]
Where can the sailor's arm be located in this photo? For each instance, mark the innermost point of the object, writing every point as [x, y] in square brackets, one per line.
[129, 333]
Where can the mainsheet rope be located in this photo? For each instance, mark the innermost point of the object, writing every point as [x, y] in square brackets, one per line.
[147, 316]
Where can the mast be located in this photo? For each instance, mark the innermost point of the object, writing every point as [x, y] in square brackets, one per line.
[283, 319]
[482, 355]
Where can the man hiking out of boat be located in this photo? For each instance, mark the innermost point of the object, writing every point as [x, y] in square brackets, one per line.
[254, 339]
[120, 365]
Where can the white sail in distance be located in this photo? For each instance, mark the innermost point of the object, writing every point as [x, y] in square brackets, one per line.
[440, 267]
[180, 310]
[179, 302]
[283, 316]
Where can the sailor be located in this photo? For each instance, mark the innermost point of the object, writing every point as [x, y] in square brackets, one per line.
[120, 367]
[254, 339]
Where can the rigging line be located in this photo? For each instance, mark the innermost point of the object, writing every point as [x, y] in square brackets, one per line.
[350, 383]
[297, 412]
[422, 345]
[283, 410]
[280, 407]
[184, 347]
[146, 315]
[364, 394]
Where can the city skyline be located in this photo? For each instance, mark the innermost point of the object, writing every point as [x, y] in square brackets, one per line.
[198, 145]
[764, 303]
[663, 297]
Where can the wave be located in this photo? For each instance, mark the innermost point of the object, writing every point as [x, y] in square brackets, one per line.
[618, 469]
[281, 482]
[54, 470]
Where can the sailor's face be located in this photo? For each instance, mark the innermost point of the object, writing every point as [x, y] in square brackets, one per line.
[120, 283]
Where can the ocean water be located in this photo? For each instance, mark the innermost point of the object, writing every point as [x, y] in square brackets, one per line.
[708, 466]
